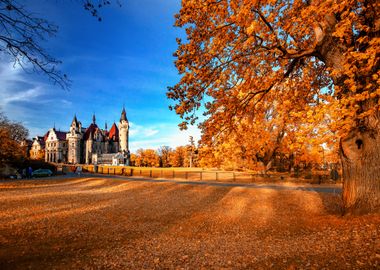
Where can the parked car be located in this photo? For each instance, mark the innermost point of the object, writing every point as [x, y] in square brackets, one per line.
[13, 176]
[42, 173]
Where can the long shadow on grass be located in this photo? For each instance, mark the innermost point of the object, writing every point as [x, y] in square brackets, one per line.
[31, 184]
[332, 203]
[49, 238]
[136, 214]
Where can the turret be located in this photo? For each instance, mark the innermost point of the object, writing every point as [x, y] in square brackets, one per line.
[123, 132]
[74, 141]
[123, 115]
[74, 128]
[74, 123]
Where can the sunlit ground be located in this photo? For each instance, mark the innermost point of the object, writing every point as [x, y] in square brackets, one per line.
[104, 223]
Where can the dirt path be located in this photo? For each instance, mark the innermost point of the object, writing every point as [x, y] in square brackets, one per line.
[106, 223]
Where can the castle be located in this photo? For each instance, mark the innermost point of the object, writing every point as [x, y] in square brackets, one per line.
[91, 145]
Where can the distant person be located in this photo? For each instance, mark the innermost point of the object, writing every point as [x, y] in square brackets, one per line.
[30, 172]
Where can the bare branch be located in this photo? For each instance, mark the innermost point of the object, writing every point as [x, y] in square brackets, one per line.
[20, 35]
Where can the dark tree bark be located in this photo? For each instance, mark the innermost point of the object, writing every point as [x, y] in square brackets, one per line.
[360, 156]
[360, 149]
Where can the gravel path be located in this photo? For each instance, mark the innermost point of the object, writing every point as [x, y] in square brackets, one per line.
[105, 223]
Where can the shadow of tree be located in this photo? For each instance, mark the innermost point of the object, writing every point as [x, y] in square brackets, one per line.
[332, 204]
[121, 224]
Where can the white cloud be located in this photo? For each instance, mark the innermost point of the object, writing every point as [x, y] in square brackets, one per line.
[14, 87]
[7, 97]
[139, 130]
[169, 135]
[25, 99]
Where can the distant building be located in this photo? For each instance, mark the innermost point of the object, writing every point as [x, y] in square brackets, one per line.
[91, 145]
[38, 147]
[56, 146]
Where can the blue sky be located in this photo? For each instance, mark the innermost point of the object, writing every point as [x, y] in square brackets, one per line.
[125, 59]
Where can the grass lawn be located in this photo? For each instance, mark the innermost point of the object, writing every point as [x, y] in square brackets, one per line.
[88, 223]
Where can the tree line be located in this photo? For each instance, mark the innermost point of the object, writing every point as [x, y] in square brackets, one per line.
[165, 156]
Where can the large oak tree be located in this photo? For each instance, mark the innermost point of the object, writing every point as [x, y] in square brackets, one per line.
[319, 58]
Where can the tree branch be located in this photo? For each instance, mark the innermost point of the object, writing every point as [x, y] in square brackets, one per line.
[20, 33]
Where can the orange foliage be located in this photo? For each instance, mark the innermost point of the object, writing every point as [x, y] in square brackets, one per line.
[11, 136]
[179, 157]
[146, 158]
[10, 150]
[276, 76]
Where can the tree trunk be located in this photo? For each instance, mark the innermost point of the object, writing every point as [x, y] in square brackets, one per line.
[360, 156]
[360, 150]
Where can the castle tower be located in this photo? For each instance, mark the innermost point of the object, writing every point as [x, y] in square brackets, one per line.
[74, 138]
[106, 142]
[89, 141]
[123, 132]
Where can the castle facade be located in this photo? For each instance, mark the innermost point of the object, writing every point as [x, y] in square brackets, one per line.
[89, 145]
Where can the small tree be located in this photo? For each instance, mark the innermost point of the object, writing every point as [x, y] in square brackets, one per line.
[11, 136]
[178, 157]
[191, 151]
[164, 153]
[147, 158]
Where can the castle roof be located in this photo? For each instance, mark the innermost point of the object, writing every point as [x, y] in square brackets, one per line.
[123, 115]
[40, 140]
[114, 132]
[90, 131]
[46, 136]
[75, 120]
[61, 135]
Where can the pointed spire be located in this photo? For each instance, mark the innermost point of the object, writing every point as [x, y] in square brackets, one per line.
[123, 115]
[75, 120]
[105, 126]
[93, 118]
